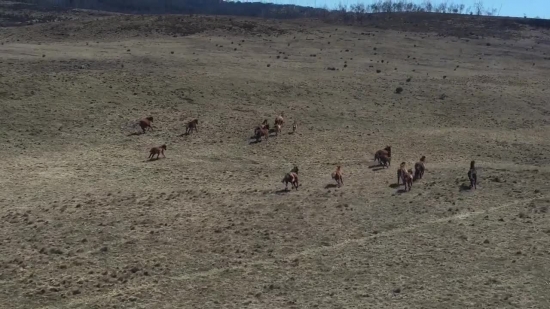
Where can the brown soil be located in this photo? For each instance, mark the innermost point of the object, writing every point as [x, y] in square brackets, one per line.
[88, 222]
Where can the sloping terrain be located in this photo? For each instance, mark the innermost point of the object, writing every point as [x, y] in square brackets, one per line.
[88, 222]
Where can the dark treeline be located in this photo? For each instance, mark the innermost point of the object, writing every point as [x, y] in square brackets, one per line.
[356, 13]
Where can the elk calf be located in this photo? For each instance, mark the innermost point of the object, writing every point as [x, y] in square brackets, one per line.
[260, 131]
[146, 123]
[472, 175]
[277, 129]
[408, 178]
[157, 151]
[419, 168]
[192, 126]
[337, 175]
[291, 178]
[383, 152]
[279, 119]
[384, 160]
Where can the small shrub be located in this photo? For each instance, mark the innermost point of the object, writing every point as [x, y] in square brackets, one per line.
[408, 79]
[172, 52]
[378, 71]
[398, 90]
[268, 65]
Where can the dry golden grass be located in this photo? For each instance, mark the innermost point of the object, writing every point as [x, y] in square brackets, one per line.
[88, 222]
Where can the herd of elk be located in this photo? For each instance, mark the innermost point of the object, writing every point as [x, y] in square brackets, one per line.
[383, 156]
[264, 130]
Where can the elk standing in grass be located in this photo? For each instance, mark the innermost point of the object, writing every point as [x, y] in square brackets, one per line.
[192, 126]
[146, 123]
[472, 175]
[419, 168]
[291, 178]
[157, 151]
[383, 152]
[337, 175]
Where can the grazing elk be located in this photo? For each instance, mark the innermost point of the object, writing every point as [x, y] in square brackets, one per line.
[291, 178]
[192, 126]
[157, 151]
[383, 152]
[146, 123]
[419, 168]
[337, 175]
[472, 175]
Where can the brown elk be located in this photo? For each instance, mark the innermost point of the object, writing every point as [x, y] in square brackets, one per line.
[146, 123]
[385, 160]
[405, 175]
[337, 175]
[419, 168]
[192, 126]
[279, 119]
[277, 129]
[262, 130]
[400, 171]
[157, 151]
[291, 178]
[472, 175]
[383, 152]
[408, 178]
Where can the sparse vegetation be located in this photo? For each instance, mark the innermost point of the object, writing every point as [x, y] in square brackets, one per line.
[89, 222]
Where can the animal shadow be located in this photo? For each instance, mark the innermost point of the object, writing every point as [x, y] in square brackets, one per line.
[152, 159]
[376, 168]
[401, 191]
[464, 187]
[331, 185]
[254, 142]
[394, 186]
[135, 133]
[291, 133]
[282, 191]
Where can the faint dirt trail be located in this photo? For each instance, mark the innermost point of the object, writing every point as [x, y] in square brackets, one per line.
[216, 271]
